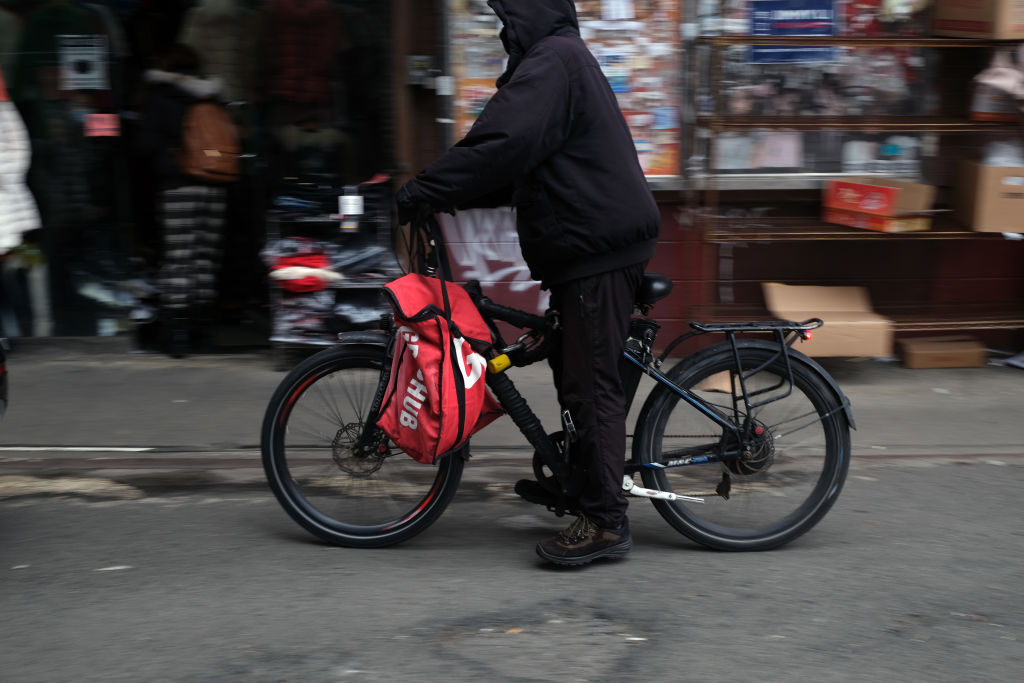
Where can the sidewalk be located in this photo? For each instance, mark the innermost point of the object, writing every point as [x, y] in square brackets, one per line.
[202, 413]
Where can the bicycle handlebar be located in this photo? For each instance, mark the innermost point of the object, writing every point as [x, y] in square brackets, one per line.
[512, 316]
[496, 311]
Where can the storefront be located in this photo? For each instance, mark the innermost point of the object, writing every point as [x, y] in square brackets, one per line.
[744, 112]
[307, 82]
[741, 110]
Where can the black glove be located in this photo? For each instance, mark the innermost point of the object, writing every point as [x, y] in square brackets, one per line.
[409, 208]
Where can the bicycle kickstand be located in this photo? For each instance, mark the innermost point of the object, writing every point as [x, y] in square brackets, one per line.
[630, 487]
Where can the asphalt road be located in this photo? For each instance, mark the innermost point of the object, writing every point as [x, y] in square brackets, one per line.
[915, 575]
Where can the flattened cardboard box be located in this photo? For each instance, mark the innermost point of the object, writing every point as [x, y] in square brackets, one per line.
[880, 204]
[990, 198]
[851, 327]
[998, 19]
[943, 352]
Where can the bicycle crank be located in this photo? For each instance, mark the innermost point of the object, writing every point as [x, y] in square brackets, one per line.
[630, 487]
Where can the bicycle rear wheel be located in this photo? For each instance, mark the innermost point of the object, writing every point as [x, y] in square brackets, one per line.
[313, 420]
[783, 486]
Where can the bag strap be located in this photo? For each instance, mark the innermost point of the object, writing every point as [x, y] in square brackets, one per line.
[440, 254]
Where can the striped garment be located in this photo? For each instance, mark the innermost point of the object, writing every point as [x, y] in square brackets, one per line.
[193, 220]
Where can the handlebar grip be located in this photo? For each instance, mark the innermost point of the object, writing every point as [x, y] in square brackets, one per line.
[512, 316]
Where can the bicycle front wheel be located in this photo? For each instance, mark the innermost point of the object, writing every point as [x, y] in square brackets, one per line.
[783, 484]
[311, 424]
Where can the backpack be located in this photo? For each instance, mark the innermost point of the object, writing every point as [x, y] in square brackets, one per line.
[210, 146]
[436, 395]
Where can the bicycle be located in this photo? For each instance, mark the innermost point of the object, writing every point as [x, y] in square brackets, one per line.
[742, 445]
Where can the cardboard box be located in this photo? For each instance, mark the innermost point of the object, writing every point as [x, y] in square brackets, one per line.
[998, 19]
[943, 352]
[878, 204]
[851, 327]
[990, 198]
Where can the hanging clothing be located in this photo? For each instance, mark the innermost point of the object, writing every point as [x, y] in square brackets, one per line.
[301, 43]
[193, 220]
[10, 33]
[18, 210]
[192, 214]
[220, 31]
[168, 99]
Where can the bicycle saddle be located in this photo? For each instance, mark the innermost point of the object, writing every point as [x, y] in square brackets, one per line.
[654, 287]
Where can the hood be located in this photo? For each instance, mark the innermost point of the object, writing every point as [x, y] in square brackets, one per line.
[200, 88]
[526, 22]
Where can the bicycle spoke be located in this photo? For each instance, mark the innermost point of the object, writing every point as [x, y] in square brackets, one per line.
[311, 426]
[762, 488]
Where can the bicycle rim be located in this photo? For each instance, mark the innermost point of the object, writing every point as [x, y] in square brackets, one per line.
[310, 427]
[790, 480]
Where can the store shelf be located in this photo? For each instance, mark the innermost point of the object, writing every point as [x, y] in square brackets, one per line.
[951, 318]
[726, 182]
[851, 41]
[727, 229]
[918, 124]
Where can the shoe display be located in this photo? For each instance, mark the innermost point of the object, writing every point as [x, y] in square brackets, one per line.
[584, 541]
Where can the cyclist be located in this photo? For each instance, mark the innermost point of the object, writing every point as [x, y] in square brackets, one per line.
[553, 143]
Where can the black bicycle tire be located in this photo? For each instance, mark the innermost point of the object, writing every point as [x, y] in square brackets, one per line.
[808, 377]
[275, 463]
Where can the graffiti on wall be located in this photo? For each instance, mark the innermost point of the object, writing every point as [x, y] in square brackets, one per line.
[484, 246]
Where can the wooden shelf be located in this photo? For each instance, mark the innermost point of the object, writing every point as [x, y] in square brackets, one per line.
[813, 229]
[920, 124]
[950, 318]
[852, 41]
[798, 194]
[800, 180]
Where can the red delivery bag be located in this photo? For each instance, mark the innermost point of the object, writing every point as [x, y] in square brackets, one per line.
[436, 395]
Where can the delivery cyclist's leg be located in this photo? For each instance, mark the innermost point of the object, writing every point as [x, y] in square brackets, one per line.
[594, 313]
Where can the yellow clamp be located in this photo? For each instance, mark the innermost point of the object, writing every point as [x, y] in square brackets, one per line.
[499, 364]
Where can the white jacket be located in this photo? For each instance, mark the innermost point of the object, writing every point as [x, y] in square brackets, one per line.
[18, 211]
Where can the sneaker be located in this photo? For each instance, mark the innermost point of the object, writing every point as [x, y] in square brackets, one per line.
[532, 491]
[584, 542]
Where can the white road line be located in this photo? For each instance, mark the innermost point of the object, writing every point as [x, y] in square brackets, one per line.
[79, 449]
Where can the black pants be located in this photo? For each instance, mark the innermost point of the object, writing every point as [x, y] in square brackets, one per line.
[594, 314]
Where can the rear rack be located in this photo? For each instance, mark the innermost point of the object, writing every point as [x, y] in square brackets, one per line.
[779, 328]
[757, 326]
[785, 332]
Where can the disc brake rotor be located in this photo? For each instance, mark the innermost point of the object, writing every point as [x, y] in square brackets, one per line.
[362, 465]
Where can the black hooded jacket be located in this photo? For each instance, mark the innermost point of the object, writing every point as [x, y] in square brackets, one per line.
[553, 141]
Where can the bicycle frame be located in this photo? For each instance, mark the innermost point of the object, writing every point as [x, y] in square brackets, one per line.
[637, 359]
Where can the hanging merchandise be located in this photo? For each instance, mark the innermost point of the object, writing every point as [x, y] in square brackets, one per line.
[999, 89]
[18, 211]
